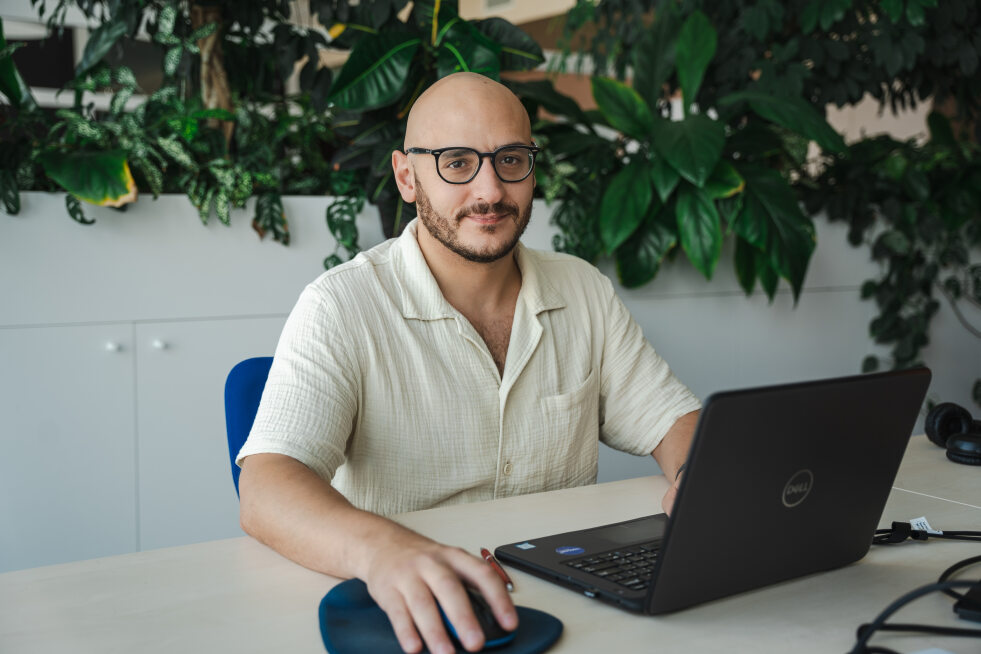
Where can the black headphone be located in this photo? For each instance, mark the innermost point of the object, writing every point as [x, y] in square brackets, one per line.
[950, 426]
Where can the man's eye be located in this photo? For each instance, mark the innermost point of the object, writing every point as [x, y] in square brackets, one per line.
[457, 163]
[510, 160]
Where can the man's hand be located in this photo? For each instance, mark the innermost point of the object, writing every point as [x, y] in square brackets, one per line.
[407, 576]
[291, 509]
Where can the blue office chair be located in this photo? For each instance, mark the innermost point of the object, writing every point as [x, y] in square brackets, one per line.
[243, 390]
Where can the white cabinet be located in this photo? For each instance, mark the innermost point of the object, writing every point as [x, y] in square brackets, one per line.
[115, 341]
[67, 454]
[186, 492]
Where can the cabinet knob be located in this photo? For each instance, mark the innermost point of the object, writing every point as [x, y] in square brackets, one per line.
[158, 344]
[113, 346]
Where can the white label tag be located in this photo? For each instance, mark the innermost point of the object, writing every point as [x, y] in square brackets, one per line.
[921, 524]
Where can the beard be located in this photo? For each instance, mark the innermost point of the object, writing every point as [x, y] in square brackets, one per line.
[446, 230]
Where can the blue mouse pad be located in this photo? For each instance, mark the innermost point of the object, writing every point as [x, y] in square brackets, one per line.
[351, 623]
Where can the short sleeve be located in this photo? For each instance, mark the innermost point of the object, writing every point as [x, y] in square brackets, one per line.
[309, 405]
[640, 395]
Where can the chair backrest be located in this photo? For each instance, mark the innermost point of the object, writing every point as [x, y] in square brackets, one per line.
[243, 390]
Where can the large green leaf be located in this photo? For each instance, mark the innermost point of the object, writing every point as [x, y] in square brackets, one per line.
[12, 84]
[639, 258]
[693, 145]
[518, 50]
[376, 73]
[767, 275]
[99, 44]
[772, 220]
[654, 56]
[664, 177]
[463, 49]
[623, 107]
[724, 182]
[745, 265]
[624, 203]
[695, 48]
[700, 228]
[793, 113]
[101, 178]
[752, 224]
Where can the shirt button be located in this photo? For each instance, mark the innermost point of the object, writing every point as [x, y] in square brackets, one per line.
[507, 468]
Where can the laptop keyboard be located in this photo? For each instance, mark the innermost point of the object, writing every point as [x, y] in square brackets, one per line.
[630, 566]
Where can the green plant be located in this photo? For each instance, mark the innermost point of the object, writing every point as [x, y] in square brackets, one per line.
[224, 133]
[219, 137]
[918, 208]
[687, 182]
[828, 51]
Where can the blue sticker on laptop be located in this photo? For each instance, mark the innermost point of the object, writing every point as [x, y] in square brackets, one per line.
[569, 550]
[525, 546]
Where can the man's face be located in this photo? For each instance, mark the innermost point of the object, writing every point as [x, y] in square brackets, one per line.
[481, 220]
[478, 232]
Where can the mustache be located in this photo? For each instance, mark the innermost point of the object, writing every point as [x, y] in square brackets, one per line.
[502, 207]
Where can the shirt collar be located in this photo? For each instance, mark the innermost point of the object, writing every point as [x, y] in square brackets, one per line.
[422, 299]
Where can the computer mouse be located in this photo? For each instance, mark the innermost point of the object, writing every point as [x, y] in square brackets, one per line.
[494, 634]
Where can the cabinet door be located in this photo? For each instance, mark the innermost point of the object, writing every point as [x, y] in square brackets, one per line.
[67, 444]
[186, 490]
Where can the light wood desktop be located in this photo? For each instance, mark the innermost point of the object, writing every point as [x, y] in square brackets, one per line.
[238, 596]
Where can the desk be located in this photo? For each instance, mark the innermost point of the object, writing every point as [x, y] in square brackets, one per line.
[238, 596]
[925, 469]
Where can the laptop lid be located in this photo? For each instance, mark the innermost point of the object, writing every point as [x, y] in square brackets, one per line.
[782, 481]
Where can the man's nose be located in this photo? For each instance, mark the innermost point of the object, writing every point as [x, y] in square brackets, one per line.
[487, 186]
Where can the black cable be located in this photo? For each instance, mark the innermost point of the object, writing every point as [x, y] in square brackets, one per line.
[901, 531]
[954, 568]
[925, 629]
[875, 625]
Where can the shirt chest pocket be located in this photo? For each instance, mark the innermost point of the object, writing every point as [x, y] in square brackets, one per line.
[572, 435]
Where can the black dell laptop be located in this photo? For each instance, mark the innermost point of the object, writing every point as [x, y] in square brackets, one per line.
[781, 482]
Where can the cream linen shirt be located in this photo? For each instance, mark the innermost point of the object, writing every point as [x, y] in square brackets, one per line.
[384, 389]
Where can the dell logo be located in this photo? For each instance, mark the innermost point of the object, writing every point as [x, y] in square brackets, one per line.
[798, 488]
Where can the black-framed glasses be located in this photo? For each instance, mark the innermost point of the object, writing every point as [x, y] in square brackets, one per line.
[459, 165]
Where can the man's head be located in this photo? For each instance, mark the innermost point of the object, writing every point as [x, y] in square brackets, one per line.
[480, 220]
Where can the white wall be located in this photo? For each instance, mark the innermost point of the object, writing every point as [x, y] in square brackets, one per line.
[716, 338]
[157, 262]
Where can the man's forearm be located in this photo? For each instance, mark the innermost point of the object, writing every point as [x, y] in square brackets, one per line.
[287, 506]
[672, 451]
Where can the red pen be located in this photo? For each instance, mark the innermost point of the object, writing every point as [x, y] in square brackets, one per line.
[484, 552]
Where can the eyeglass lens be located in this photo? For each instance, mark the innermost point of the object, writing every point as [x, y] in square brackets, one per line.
[460, 164]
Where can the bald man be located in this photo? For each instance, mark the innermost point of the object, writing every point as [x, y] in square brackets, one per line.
[448, 365]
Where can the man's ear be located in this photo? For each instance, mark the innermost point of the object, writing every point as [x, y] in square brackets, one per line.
[404, 178]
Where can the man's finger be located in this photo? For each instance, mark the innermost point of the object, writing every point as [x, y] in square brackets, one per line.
[482, 577]
[402, 625]
[425, 615]
[453, 599]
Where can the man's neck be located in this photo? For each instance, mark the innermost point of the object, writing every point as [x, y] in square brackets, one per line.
[474, 289]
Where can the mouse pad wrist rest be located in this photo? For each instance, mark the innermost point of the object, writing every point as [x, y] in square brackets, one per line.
[351, 623]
